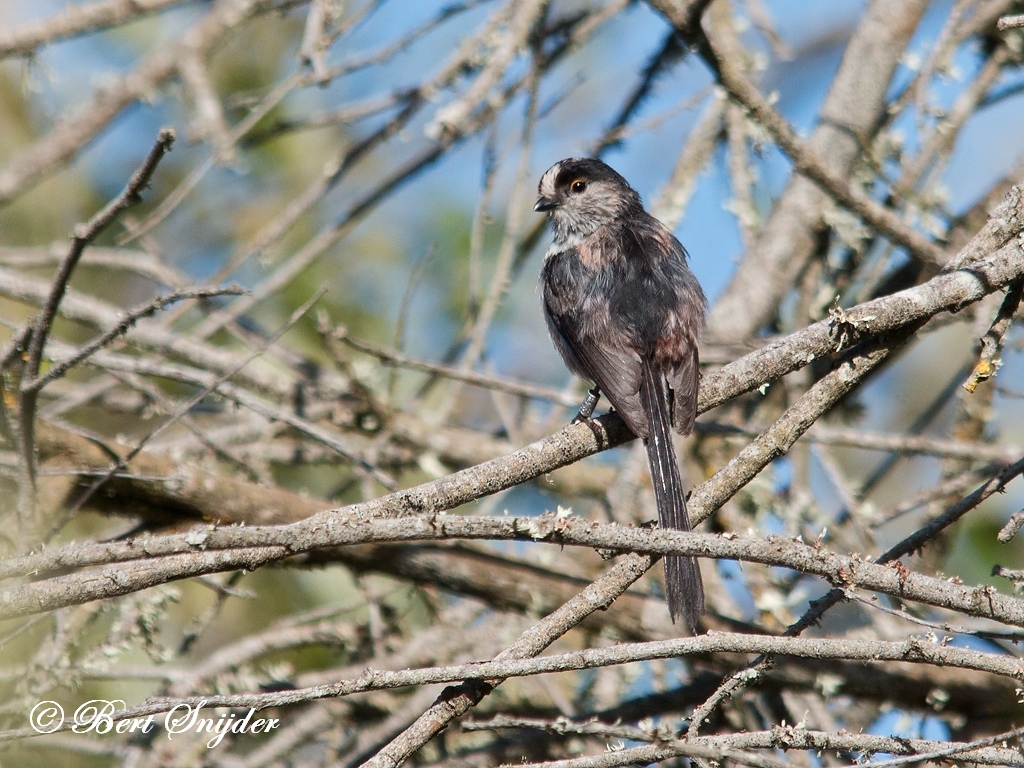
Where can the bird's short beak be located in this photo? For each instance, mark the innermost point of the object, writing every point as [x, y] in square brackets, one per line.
[544, 204]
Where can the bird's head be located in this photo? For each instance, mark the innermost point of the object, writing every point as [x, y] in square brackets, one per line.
[582, 194]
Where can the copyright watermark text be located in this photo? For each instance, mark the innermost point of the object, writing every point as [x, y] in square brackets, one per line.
[98, 716]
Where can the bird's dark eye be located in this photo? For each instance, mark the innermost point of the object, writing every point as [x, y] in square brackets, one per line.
[578, 186]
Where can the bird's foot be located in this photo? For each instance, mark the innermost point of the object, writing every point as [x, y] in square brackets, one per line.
[588, 405]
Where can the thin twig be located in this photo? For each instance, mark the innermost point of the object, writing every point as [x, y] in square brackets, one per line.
[77, 20]
[496, 383]
[992, 341]
[28, 395]
[521, 659]
[780, 737]
[132, 317]
[185, 408]
[1010, 22]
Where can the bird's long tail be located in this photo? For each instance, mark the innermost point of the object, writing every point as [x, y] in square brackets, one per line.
[683, 585]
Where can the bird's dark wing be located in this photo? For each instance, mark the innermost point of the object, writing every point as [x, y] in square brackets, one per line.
[614, 368]
[594, 348]
[683, 379]
[663, 302]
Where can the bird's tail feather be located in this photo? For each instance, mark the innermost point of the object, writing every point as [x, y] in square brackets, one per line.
[683, 586]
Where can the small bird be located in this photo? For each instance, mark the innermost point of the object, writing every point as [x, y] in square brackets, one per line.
[625, 311]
